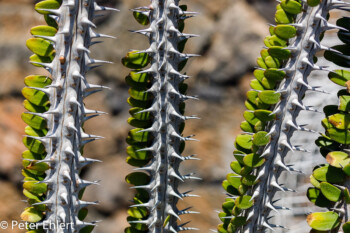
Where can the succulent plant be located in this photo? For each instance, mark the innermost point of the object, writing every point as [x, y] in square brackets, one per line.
[273, 105]
[56, 113]
[157, 96]
[331, 181]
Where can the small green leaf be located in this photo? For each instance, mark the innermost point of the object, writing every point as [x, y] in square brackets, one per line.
[338, 159]
[133, 152]
[279, 53]
[253, 160]
[138, 212]
[340, 77]
[315, 196]
[33, 121]
[40, 47]
[269, 97]
[140, 95]
[314, 182]
[34, 96]
[340, 120]
[37, 81]
[346, 227]
[138, 137]
[47, 4]
[236, 167]
[30, 214]
[141, 18]
[259, 74]
[329, 174]
[135, 162]
[40, 59]
[256, 85]
[43, 30]
[34, 187]
[272, 62]
[244, 202]
[291, 6]
[250, 117]
[323, 221]
[248, 180]
[234, 180]
[136, 60]
[264, 115]
[261, 138]
[331, 192]
[346, 170]
[138, 81]
[274, 74]
[281, 17]
[285, 31]
[260, 61]
[344, 103]
[138, 178]
[244, 141]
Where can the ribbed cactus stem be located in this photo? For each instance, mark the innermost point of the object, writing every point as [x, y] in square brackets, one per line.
[65, 139]
[298, 68]
[167, 119]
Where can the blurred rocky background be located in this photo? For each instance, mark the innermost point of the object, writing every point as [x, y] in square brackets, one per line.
[231, 34]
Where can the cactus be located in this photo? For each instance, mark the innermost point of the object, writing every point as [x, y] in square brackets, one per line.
[331, 181]
[56, 114]
[157, 96]
[273, 105]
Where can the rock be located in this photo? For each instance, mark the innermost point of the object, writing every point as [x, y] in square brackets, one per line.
[235, 46]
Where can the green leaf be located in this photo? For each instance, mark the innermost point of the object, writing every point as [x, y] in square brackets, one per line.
[248, 180]
[229, 188]
[252, 95]
[135, 162]
[344, 103]
[272, 62]
[338, 159]
[244, 202]
[291, 6]
[331, 192]
[264, 115]
[228, 205]
[141, 18]
[281, 17]
[137, 226]
[261, 138]
[323, 221]
[135, 136]
[34, 96]
[37, 81]
[236, 167]
[253, 160]
[138, 178]
[259, 74]
[269, 97]
[140, 95]
[346, 227]
[315, 196]
[34, 187]
[133, 152]
[314, 182]
[33, 121]
[30, 214]
[40, 59]
[340, 77]
[260, 61]
[274, 74]
[285, 31]
[40, 47]
[329, 174]
[340, 120]
[137, 212]
[256, 85]
[239, 155]
[234, 180]
[138, 81]
[346, 170]
[43, 30]
[47, 4]
[136, 60]
[250, 117]
[279, 53]
[244, 141]
[50, 21]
